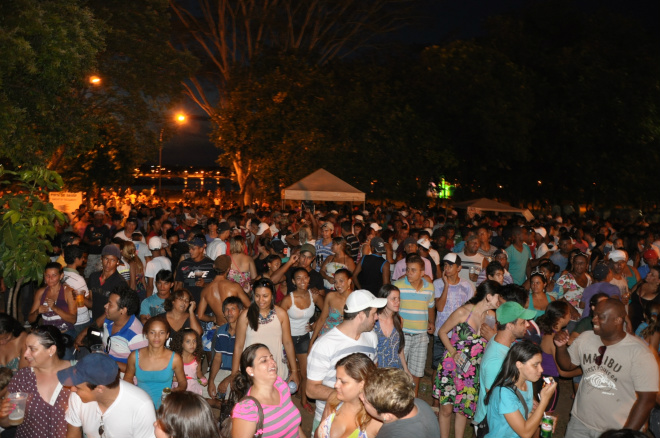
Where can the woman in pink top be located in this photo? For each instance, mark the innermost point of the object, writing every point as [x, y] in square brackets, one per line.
[258, 378]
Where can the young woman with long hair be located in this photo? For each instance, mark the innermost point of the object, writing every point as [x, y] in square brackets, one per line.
[185, 414]
[299, 304]
[258, 378]
[389, 329]
[264, 322]
[556, 317]
[344, 414]
[155, 365]
[510, 401]
[456, 383]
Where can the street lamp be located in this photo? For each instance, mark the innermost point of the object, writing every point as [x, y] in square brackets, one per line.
[180, 118]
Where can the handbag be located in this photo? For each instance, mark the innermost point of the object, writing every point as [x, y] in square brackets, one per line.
[225, 423]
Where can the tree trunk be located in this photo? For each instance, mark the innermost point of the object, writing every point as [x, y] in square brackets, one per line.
[12, 300]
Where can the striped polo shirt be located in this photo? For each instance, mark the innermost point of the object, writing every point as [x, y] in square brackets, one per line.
[128, 338]
[281, 421]
[415, 305]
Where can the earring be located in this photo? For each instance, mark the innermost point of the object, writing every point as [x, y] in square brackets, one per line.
[251, 375]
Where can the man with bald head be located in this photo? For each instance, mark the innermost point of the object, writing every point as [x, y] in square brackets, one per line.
[620, 374]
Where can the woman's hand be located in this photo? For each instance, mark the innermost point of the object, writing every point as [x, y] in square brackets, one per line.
[6, 407]
[295, 377]
[192, 307]
[546, 393]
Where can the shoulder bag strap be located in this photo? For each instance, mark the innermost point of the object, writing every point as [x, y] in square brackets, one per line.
[260, 422]
[522, 400]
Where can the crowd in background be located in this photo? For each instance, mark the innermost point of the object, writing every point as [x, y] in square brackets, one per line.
[266, 303]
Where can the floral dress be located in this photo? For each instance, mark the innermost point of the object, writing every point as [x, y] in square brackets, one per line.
[569, 289]
[452, 386]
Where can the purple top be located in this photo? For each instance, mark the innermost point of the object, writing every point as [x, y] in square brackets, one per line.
[590, 291]
[549, 365]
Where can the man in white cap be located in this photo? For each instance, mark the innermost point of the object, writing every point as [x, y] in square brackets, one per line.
[618, 259]
[353, 335]
[541, 250]
[159, 262]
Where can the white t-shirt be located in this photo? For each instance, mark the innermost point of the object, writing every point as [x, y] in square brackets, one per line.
[468, 262]
[76, 282]
[326, 352]
[216, 248]
[132, 414]
[607, 392]
[155, 265]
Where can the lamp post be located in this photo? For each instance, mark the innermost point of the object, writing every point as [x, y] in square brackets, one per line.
[180, 118]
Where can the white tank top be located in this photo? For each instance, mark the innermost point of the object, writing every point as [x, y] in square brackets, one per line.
[298, 318]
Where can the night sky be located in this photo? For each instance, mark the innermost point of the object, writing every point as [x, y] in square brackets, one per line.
[439, 21]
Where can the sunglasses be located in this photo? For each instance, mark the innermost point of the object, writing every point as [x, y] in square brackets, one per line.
[101, 430]
[601, 352]
[108, 343]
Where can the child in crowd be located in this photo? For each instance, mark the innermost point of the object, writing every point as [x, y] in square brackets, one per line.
[189, 345]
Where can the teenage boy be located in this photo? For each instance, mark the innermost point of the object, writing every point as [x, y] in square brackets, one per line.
[418, 313]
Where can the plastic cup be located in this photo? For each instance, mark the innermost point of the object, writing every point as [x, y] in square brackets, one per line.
[97, 348]
[19, 400]
[80, 298]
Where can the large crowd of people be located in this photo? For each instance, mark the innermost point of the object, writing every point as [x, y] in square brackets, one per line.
[150, 315]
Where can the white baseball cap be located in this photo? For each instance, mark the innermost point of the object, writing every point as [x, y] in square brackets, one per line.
[362, 299]
[155, 243]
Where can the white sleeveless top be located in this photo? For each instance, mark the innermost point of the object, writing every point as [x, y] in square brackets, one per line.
[298, 318]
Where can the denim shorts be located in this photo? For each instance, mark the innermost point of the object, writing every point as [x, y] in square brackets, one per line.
[301, 343]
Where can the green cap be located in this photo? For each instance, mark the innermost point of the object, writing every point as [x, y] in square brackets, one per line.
[308, 248]
[510, 311]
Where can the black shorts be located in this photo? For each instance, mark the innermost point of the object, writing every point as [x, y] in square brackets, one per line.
[301, 343]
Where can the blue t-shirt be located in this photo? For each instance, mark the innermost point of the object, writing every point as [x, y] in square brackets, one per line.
[152, 306]
[505, 401]
[224, 344]
[491, 363]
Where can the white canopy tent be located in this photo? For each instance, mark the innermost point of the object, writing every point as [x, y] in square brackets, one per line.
[485, 204]
[322, 186]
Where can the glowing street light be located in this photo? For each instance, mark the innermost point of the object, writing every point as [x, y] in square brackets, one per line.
[180, 118]
[94, 80]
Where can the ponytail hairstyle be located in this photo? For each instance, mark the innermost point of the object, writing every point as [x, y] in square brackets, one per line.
[243, 381]
[48, 336]
[488, 287]
[253, 310]
[385, 292]
[651, 318]
[555, 311]
[509, 374]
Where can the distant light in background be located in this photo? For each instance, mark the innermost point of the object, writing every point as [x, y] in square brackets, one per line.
[94, 80]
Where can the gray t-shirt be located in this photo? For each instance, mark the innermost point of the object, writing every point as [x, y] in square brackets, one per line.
[607, 392]
[424, 424]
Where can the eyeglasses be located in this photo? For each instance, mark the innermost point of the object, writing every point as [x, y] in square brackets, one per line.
[108, 343]
[101, 430]
[601, 351]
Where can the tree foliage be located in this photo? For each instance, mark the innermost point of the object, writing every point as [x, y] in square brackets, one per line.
[236, 37]
[48, 47]
[26, 224]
